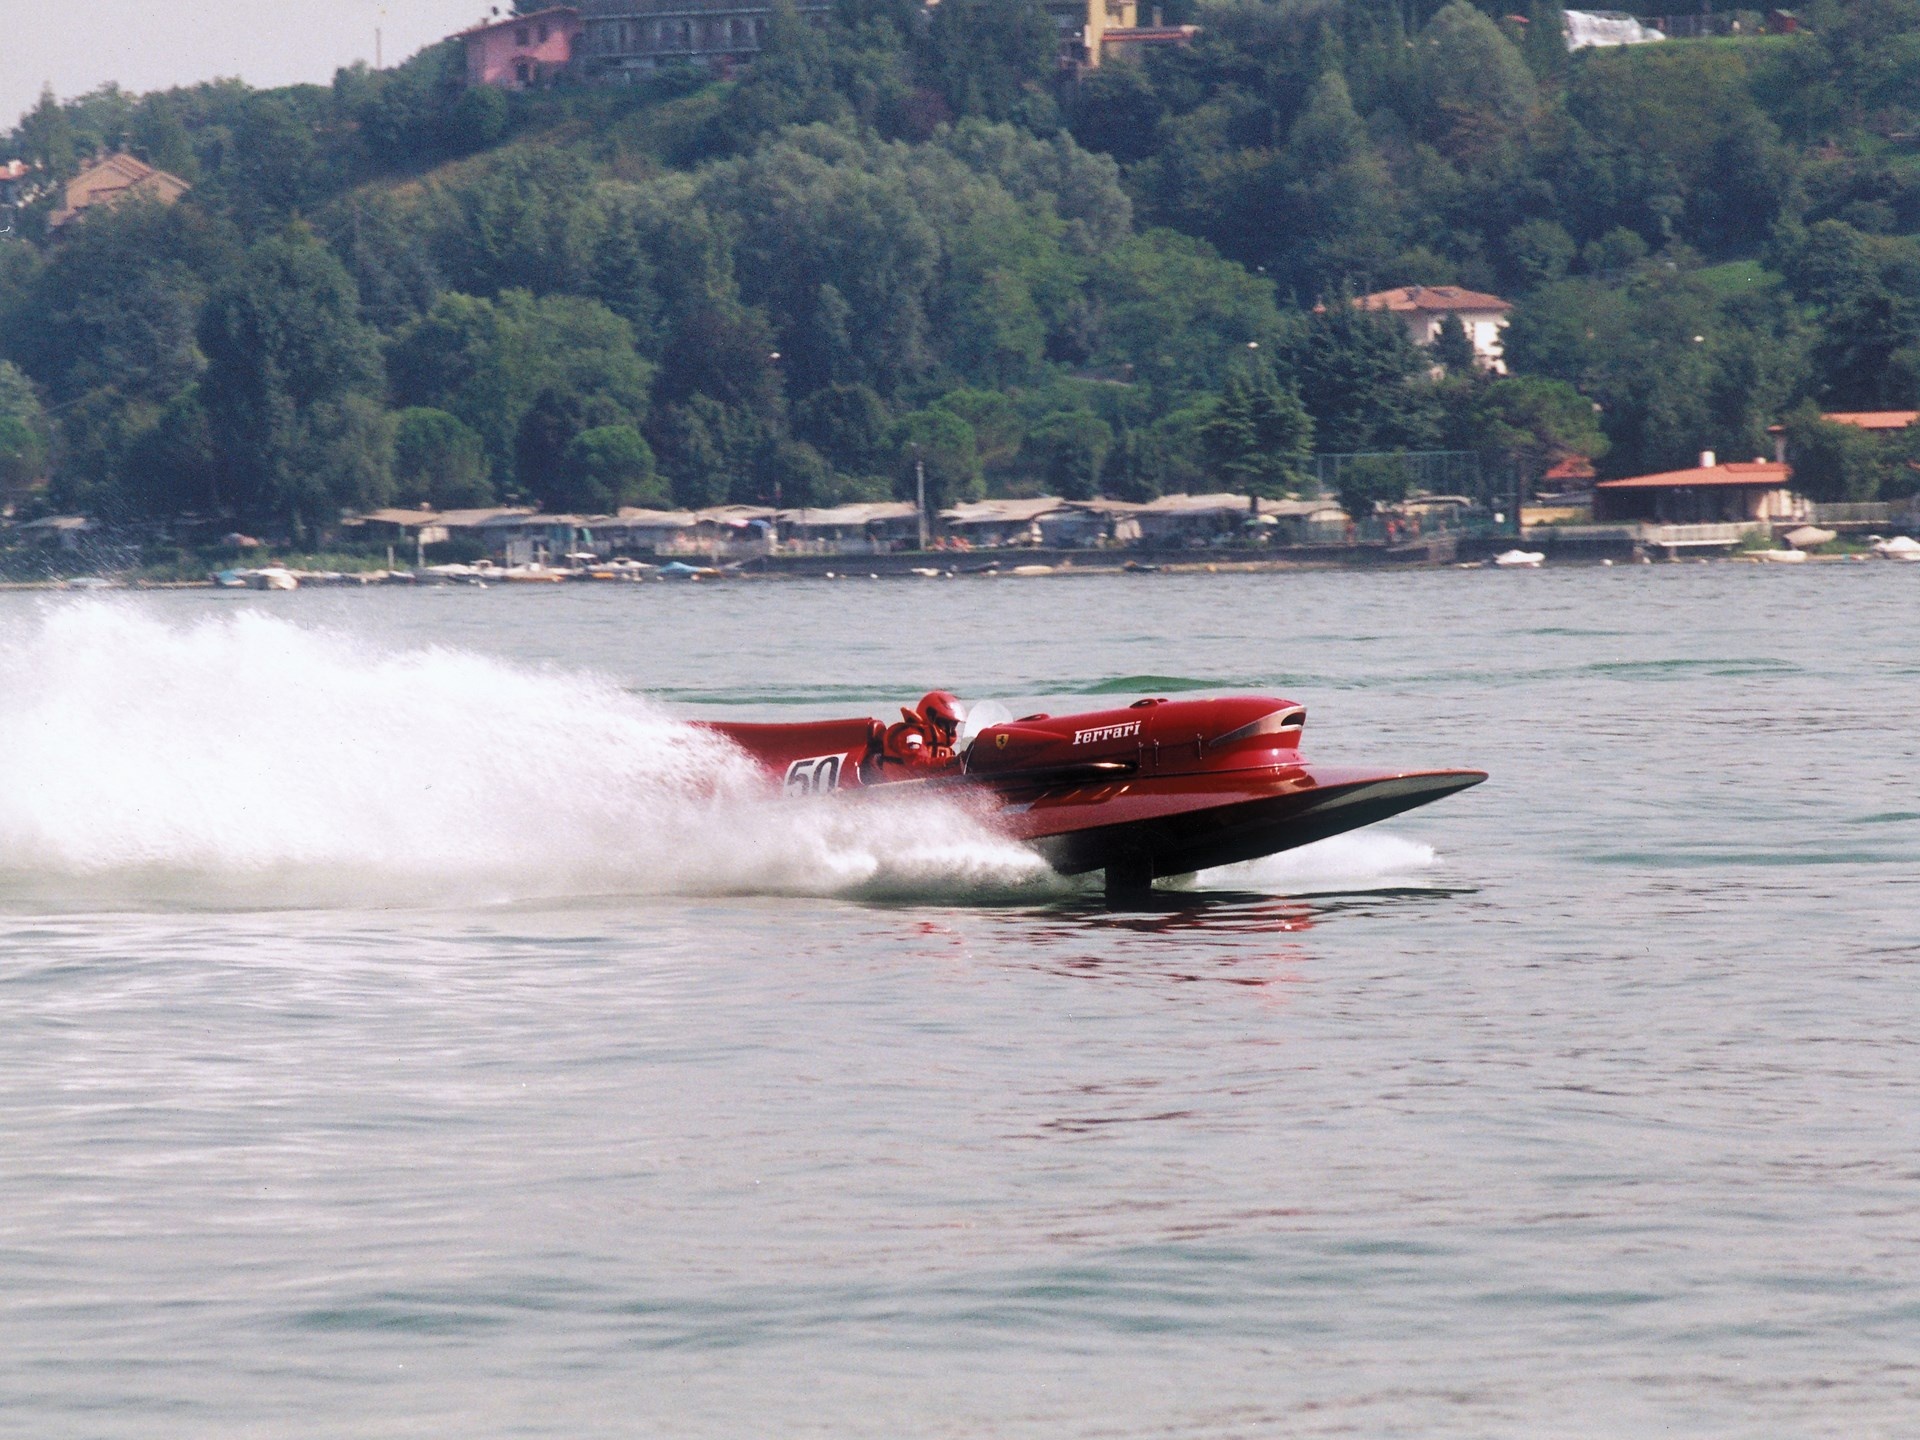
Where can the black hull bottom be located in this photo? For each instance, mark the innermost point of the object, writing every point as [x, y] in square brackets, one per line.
[1137, 852]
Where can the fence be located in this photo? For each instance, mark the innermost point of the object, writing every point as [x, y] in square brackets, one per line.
[1876, 512]
[1703, 27]
[1489, 484]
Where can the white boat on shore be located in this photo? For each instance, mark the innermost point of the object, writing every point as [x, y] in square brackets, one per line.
[1520, 559]
[1900, 547]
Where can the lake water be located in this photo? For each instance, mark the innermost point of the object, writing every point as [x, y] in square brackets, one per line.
[391, 1043]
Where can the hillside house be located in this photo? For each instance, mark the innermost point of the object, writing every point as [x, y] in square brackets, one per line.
[625, 39]
[1094, 31]
[1133, 41]
[1710, 493]
[1877, 423]
[1424, 308]
[18, 184]
[114, 181]
[522, 51]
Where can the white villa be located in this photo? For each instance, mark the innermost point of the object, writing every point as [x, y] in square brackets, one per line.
[1422, 308]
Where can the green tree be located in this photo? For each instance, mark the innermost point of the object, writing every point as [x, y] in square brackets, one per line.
[488, 361]
[1532, 423]
[1068, 448]
[438, 461]
[1546, 42]
[1834, 462]
[690, 438]
[46, 136]
[1453, 349]
[1339, 218]
[290, 386]
[1137, 466]
[605, 468]
[23, 436]
[1369, 481]
[944, 443]
[117, 302]
[1115, 110]
[792, 473]
[847, 425]
[1175, 311]
[993, 58]
[792, 81]
[1677, 366]
[478, 119]
[999, 429]
[1259, 439]
[171, 467]
[546, 465]
[1363, 381]
[1539, 250]
[1478, 91]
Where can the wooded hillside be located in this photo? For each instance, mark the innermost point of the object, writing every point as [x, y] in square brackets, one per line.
[902, 237]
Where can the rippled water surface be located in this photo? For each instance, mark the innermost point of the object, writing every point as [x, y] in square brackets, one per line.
[393, 1042]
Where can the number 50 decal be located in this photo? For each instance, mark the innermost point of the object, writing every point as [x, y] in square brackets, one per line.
[815, 776]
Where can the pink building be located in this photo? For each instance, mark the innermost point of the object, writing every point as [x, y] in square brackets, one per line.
[522, 51]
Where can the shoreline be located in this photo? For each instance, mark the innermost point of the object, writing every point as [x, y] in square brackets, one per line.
[977, 565]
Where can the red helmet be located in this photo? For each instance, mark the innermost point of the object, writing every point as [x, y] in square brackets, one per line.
[941, 712]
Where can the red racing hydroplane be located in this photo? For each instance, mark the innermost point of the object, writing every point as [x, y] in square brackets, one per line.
[1156, 788]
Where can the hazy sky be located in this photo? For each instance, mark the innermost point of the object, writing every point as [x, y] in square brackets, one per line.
[151, 44]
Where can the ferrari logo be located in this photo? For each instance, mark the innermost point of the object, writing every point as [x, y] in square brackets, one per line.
[999, 742]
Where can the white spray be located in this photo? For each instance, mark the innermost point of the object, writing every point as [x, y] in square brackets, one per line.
[244, 759]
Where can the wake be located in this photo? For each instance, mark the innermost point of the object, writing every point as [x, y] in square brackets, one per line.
[243, 759]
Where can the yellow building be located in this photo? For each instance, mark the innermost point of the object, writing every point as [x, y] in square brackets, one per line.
[1095, 30]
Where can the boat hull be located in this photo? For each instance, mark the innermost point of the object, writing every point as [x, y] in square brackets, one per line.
[1179, 824]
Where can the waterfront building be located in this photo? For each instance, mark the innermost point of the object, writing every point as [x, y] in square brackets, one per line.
[984, 524]
[1737, 493]
[872, 528]
[522, 51]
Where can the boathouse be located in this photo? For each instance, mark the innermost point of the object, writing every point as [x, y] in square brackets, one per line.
[1753, 493]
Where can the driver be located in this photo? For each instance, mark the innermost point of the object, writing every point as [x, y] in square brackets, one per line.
[924, 738]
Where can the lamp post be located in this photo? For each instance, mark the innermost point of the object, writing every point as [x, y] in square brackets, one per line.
[920, 492]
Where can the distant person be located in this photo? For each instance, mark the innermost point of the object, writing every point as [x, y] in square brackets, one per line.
[924, 739]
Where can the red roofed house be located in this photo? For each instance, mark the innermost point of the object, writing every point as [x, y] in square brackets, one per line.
[1734, 493]
[1878, 421]
[1874, 422]
[112, 181]
[1093, 31]
[1424, 307]
[522, 51]
[17, 182]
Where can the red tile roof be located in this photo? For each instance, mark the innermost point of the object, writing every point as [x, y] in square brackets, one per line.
[1873, 419]
[547, 14]
[1751, 473]
[1430, 299]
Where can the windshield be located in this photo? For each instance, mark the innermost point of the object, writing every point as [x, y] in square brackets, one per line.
[979, 715]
